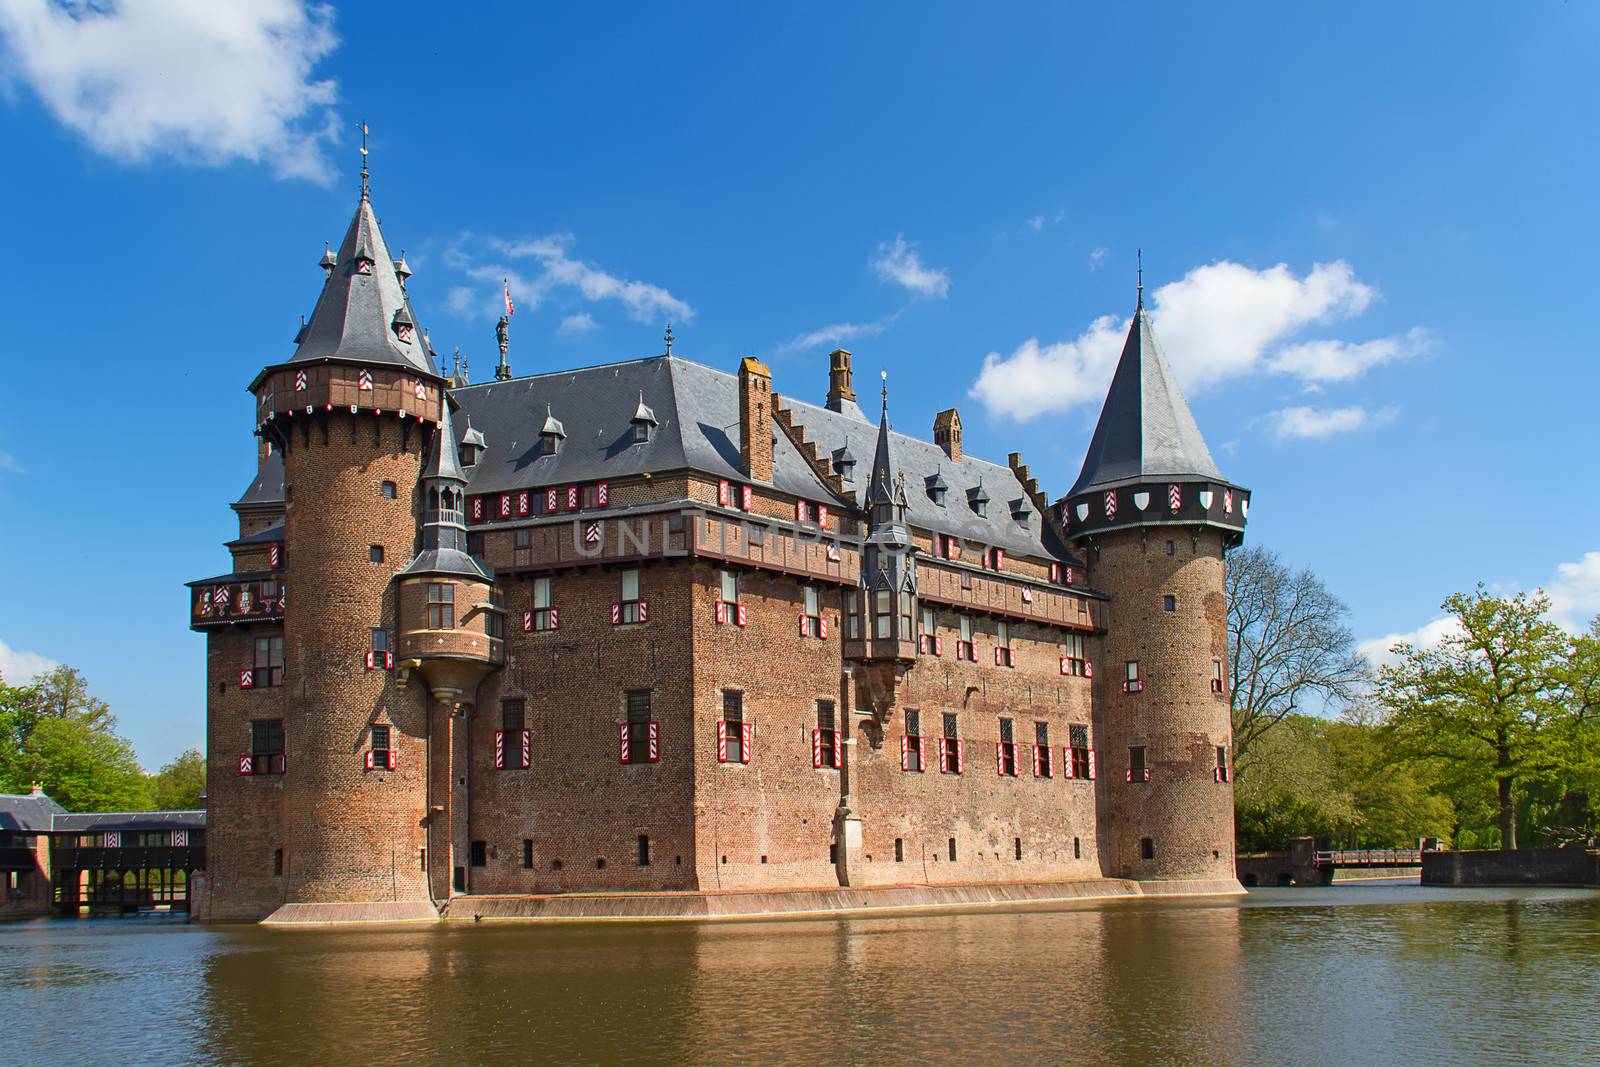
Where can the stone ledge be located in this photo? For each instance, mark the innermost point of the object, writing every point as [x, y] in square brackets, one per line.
[342, 914]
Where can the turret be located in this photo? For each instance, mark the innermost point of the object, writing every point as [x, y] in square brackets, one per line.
[1156, 518]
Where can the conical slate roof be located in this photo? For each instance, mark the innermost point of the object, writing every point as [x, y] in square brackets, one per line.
[1146, 431]
[444, 458]
[355, 316]
[885, 475]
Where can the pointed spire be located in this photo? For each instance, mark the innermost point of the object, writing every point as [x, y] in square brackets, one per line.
[327, 263]
[1140, 304]
[365, 191]
[1146, 431]
[886, 489]
[444, 459]
[444, 529]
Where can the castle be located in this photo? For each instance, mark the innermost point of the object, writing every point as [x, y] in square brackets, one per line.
[651, 626]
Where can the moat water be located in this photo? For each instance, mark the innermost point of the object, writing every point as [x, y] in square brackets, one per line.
[1345, 975]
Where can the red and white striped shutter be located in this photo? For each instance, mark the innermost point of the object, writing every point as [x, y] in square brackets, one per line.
[744, 615]
[722, 741]
[1069, 575]
[394, 759]
[805, 626]
[799, 511]
[371, 762]
[944, 753]
[505, 505]
[816, 748]
[1038, 761]
[822, 622]
[938, 645]
[616, 612]
[838, 749]
[114, 839]
[722, 613]
[247, 679]
[180, 839]
[499, 750]
[1091, 765]
[999, 559]
[997, 656]
[655, 741]
[477, 508]
[822, 516]
[722, 492]
[527, 748]
[388, 661]
[572, 498]
[523, 503]
[1055, 572]
[551, 500]
[749, 497]
[371, 660]
[905, 753]
[747, 737]
[272, 556]
[1063, 665]
[1088, 669]
[602, 494]
[624, 753]
[644, 609]
[1066, 762]
[961, 756]
[999, 757]
[247, 763]
[527, 622]
[555, 619]
[922, 753]
[922, 644]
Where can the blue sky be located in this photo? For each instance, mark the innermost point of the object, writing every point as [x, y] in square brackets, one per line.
[1366, 230]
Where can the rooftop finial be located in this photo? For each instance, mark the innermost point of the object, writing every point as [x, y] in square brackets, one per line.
[885, 375]
[363, 160]
[668, 338]
[1140, 254]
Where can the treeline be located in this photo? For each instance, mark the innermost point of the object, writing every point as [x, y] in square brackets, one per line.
[53, 731]
[1487, 739]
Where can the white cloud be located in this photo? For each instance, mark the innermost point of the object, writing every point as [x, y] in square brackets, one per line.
[901, 263]
[460, 300]
[1217, 322]
[8, 462]
[18, 667]
[1377, 650]
[1309, 422]
[1036, 222]
[210, 82]
[1575, 592]
[1340, 361]
[1097, 257]
[554, 268]
[581, 323]
[836, 334]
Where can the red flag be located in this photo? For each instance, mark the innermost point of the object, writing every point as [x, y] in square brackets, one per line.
[511, 309]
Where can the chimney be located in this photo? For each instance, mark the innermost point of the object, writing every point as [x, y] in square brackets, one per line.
[755, 418]
[947, 432]
[839, 379]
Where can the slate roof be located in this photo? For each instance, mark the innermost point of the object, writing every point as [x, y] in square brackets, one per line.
[697, 412]
[1146, 431]
[27, 812]
[260, 537]
[354, 317]
[921, 461]
[99, 821]
[266, 489]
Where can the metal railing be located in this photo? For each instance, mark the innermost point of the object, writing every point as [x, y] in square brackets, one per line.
[1370, 857]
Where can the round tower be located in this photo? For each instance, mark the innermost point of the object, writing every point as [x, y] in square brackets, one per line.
[1155, 518]
[353, 412]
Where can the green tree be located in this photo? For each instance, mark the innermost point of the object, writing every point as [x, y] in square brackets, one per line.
[180, 784]
[1290, 646]
[63, 693]
[1293, 790]
[1492, 699]
[84, 768]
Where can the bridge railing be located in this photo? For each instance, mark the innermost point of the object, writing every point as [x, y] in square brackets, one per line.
[1370, 857]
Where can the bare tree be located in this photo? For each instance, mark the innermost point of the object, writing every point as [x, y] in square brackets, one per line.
[1289, 643]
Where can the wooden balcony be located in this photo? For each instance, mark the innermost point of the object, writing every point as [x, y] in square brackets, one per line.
[994, 593]
[236, 598]
[755, 542]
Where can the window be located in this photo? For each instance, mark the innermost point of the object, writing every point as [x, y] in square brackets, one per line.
[730, 587]
[1080, 757]
[1217, 685]
[640, 733]
[995, 559]
[277, 863]
[964, 648]
[479, 854]
[522, 538]
[1005, 751]
[952, 850]
[906, 607]
[1169, 603]
[1004, 654]
[1222, 763]
[441, 606]
[852, 615]
[388, 490]
[375, 553]
[631, 608]
[266, 746]
[544, 616]
[1138, 770]
[379, 640]
[1077, 849]
[513, 748]
[1042, 763]
[1133, 683]
[527, 854]
[899, 850]
[494, 623]
[811, 619]
[1016, 844]
[644, 850]
[475, 544]
[731, 747]
[269, 661]
[379, 746]
[952, 754]
[882, 612]
[911, 742]
[1073, 663]
[827, 749]
[1147, 848]
[1171, 548]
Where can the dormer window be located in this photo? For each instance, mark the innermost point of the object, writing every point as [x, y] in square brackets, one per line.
[937, 488]
[643, 422]
[364, 260]
[979, 500]
[403, 326]
[1019, 512]
[845, 464]
[551, 436]
[472, 445]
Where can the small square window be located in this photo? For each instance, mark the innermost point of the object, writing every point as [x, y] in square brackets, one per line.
[375, 553]
[1169, 603]
[388, 490]
[1171, 548]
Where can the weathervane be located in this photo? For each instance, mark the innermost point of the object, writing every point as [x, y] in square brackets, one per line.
[668, 338]
[1140, 253]
[363, 160]
[885, 389]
